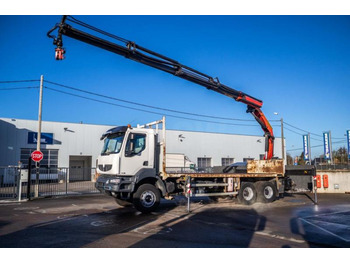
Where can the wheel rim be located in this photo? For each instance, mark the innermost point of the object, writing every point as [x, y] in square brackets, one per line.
[248, 194]
[268, 192]
[148, 198]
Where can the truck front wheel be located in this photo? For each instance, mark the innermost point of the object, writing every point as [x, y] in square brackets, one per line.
[247, 193]
[146, 198]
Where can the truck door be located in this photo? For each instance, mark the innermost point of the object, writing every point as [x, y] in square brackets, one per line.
[136, 154]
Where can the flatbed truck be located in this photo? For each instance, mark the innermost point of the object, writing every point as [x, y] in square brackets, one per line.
[132, 169]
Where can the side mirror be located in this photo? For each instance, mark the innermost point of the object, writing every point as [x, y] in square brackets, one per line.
[129, 150]
[129, 153]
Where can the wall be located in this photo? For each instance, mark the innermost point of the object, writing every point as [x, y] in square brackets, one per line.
[339, 177]
[217, 146]
[69, 138]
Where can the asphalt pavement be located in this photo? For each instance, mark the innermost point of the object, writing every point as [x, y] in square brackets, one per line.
[97, 221]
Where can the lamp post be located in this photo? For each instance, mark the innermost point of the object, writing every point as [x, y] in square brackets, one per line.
[282, 136]
[38, 141]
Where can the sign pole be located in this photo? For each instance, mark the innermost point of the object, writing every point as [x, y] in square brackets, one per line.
[29, 177]
[40, 112]
[348, 142]
[314, 188]
[282, 136]
[36, 191]
[188, 186]
[330, 147]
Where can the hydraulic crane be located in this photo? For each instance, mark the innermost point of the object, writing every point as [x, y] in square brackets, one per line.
[142, 55]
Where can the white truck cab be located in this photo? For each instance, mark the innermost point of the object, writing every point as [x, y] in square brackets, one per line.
[130, 158]
[126, 151]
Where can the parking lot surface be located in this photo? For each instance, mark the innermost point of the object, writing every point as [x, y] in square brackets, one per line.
[96, 221]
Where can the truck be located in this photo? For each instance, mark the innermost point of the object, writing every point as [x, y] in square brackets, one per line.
[132, 167]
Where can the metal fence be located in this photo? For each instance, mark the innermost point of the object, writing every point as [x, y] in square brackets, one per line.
[45, 182]
[8, 182]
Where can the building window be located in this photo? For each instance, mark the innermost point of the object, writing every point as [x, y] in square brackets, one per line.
[204, 162]
[50, 157]
[227, 161]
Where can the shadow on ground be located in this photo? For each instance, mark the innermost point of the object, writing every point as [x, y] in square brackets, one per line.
[158, 229]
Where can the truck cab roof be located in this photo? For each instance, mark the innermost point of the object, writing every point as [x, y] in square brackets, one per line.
[114, 130]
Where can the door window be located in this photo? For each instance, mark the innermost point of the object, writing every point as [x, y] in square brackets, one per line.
[135, 145]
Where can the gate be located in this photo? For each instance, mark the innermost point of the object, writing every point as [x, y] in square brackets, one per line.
[8, 182]
[45, 182]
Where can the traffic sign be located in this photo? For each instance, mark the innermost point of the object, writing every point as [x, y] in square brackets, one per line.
[37, 156]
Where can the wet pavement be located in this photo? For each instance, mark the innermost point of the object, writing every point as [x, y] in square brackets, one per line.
[97, 221]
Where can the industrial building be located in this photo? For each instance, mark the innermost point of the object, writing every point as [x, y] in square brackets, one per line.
[76, 145]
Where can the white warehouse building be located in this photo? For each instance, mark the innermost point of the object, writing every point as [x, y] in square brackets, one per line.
[78, 145]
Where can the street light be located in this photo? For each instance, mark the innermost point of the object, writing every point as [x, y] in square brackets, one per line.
[282, 136]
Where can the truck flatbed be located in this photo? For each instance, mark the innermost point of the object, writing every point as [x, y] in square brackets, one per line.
[222, 175]
[253, 168]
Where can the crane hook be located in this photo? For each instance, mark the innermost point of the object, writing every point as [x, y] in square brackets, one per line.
[59, 53]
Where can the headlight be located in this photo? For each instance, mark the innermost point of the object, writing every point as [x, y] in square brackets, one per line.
[114, 180]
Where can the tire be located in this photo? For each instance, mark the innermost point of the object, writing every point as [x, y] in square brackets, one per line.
[247, 194]
[146, 198]
[267, 191]
[123, 203]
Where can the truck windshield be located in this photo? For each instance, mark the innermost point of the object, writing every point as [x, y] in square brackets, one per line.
[113, 144]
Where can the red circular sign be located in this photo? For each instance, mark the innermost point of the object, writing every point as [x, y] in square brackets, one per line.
[37, 156]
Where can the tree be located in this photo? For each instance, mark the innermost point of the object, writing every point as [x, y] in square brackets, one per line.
[339, 155]
[289, 159]
[301, 160]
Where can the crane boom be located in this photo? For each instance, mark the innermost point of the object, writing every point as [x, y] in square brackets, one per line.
[142, 55]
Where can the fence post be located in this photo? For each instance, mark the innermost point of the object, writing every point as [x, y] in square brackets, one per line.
[19, 184]
[67, 170]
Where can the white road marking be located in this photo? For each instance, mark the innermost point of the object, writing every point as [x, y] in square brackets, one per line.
[267, 234]
[8, 203]
[144, 230]
[26, 208]
[325, 230]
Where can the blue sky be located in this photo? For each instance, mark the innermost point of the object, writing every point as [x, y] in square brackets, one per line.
[298, 65]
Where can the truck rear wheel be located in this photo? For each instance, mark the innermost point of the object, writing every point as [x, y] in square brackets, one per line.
[247, 194]
[146, 198]
[266, 191]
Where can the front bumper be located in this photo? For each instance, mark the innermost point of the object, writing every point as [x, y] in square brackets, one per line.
[117, 184]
